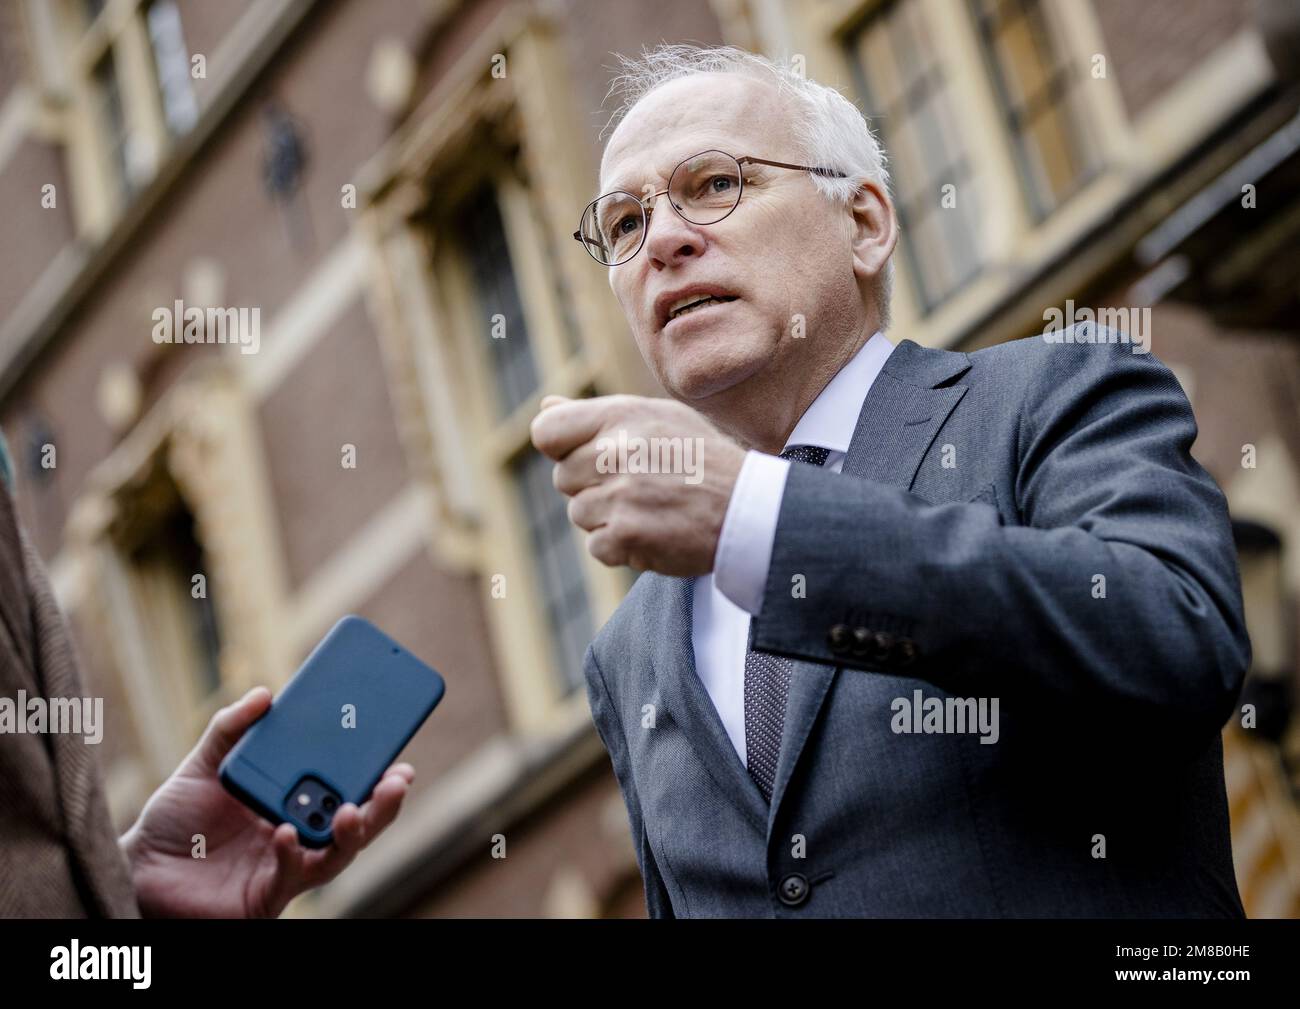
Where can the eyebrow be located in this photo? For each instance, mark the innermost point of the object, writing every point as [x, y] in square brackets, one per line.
[614, 188]
[610, 189]
[622, 188]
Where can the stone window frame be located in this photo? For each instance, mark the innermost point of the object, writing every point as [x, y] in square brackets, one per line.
[453, 139]
[120, 32]
[203, 432]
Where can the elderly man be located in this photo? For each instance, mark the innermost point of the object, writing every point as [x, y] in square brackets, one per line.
[925, 633]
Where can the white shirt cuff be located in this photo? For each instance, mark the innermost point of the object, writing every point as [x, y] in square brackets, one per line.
[749, 530]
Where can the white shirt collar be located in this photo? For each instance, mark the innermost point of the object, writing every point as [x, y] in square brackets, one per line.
[833, 415]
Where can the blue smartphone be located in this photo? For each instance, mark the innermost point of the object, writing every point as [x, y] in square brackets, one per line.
[333, 730]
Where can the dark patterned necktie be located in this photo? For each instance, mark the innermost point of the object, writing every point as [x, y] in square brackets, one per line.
[767, 682]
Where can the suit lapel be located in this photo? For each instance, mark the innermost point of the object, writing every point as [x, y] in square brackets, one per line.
[903, 412]
[689, 701]
[899, 418]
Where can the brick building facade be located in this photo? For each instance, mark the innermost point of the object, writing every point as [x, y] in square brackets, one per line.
[391, 185]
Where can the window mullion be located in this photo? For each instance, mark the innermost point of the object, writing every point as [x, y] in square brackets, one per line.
[147, 135]
[1006, 215]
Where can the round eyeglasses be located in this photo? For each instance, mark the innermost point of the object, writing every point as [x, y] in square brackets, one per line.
[703, 189]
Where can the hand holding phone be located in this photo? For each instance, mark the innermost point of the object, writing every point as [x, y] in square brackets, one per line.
[344, 717]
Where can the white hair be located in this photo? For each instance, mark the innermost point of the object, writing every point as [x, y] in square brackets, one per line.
[829, 130]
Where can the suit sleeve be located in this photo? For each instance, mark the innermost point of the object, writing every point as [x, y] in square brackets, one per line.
[1105, 485]
[609, 725]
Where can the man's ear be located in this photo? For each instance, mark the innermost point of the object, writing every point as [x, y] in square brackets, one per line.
[873, 231]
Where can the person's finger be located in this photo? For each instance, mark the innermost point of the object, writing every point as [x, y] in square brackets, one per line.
[382, 807]
[349, 837]
[580, 469]
[285, 843]
[589, 509]
[354, 828]
[561, 428]
[360, 826]
[288, 867]
[229, 723]
[551, 399]
[403, 770]
[349, 829]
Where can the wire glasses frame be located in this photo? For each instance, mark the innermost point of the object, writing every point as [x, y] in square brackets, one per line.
[646, 208]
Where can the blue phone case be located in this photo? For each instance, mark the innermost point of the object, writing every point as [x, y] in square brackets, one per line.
[306, 735]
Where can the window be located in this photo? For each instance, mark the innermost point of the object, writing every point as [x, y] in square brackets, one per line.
[513, 368]
[172, 560]
[559, 565]
[172, 595]
[111, 118]
[91, 9]
[906, 98]
[1039, 90]
[171, 66]
[513, 371]
[484, 309]
[130, 75]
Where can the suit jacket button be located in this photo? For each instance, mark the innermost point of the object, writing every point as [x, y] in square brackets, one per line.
[861, 641]
[793, 890]
[882, 647]
[905, 652]
[839, 638]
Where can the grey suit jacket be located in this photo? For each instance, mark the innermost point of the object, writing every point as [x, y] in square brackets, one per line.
[1024, 523]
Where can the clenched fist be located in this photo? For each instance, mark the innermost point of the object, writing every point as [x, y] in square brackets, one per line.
[650, 479]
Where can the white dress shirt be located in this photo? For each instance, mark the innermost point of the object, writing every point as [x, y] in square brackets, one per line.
[724, 600]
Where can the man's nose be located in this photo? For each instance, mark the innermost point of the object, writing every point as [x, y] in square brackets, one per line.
[669, 238]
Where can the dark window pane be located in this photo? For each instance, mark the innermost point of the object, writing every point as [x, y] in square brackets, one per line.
[171, 556]
[558, 563]
[91, 9]
[484, 240]
[112, 120]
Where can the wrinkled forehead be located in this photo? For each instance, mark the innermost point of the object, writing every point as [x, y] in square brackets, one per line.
[729, 112]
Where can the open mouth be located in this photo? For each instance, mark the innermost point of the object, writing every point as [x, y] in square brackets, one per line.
[701, 302]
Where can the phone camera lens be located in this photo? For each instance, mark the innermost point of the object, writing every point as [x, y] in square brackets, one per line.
[316, 821]
[329, 803]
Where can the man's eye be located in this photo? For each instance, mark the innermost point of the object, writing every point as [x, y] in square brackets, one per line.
[726, 180]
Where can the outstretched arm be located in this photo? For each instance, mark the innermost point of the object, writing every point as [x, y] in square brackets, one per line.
[1105, 485]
